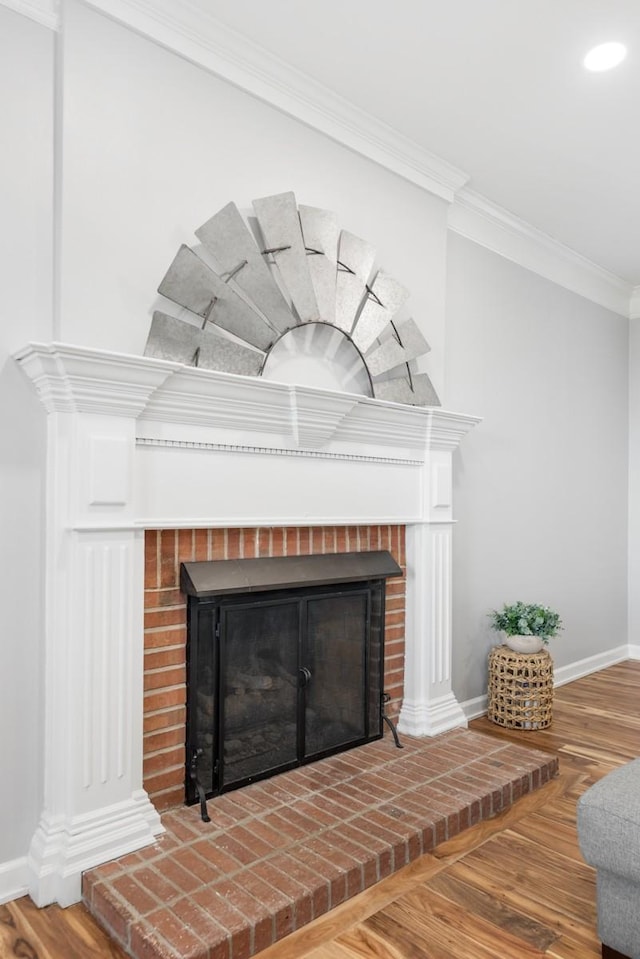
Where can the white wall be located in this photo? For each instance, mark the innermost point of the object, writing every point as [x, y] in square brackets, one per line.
[153, 146]
[26, 165]
[541, 485]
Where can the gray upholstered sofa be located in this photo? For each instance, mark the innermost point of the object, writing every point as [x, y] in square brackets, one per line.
[609, 837]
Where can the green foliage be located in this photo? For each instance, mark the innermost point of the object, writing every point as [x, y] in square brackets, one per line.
[521, 619]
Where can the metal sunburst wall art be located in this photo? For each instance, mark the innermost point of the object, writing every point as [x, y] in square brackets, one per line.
[300, 302]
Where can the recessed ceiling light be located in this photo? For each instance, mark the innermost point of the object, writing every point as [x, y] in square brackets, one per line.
[605, 56]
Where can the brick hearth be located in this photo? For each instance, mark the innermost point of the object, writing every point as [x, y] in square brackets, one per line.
[282, 852]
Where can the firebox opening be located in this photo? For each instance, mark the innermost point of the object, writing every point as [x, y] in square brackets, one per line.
[279, 677]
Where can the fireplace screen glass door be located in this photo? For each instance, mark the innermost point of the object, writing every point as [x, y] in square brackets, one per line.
[281, 679]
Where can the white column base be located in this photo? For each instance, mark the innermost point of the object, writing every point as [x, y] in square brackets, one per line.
[62, 849]
[431, 718]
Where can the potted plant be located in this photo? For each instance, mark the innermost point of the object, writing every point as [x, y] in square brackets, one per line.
[528, 627]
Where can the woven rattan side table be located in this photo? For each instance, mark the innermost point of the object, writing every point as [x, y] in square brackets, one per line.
[520, 688]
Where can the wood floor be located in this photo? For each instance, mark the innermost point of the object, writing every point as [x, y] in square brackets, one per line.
[514, 887]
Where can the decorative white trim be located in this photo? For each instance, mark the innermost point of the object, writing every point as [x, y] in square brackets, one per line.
[14, 879]
[429, 706]
[238, 522]
[205, 41]
[71, 379]
[62, 850]
[273, 451]
[45, 12]
[479, 219]
[634, 651]
[634, 308]
[431, 718]
[162, 394]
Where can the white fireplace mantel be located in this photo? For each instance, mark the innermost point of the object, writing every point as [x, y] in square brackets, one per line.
[137, 443]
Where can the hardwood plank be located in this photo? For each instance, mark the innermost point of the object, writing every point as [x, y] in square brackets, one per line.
[566, 948]
[422, 919]
[526, 899]
[513, 886]
[53, 933]
[479, 903]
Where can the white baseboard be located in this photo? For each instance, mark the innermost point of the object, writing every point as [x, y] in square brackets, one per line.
[592, 664]
[474, 708]
[13, 879]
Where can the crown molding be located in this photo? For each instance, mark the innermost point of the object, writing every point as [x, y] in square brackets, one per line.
[45, 12]
[634, 307]
[198, 36]
[474, 216]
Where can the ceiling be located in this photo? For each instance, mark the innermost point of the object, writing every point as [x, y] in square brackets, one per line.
[494, 87]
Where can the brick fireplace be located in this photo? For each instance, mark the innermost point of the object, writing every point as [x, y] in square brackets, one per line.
[165, 625]
[148, 461]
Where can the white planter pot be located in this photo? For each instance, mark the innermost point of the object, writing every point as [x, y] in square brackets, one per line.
[524, 644]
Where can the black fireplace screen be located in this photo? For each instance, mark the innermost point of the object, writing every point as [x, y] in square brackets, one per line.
[280, 677]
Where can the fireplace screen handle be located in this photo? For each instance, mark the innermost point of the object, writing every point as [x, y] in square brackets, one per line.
[305, 676]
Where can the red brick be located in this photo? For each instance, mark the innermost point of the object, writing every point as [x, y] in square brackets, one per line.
[279, 904]
[167, 656]
[277, 541]
[163, 738]
[168, 798]
[260, 543]
[167, 616]
[241, 853]
[165, 719]
[222, 861]
[233, 548]
[216, 540]
[164, 698]
[205, 926]
[169, 779]
[259, 839]
[115, 913]
[164, 678]
[177, 934]
[165, 636]
[165, 759]
[201, 545]
[134, 894]
[364, 538]
[151, 578]
[238, 929]
[350, 867]
[155, 882]
[154, 598]
[304, 541]
[291, 541]
[256, 914]
[168, 558]
[329, 540]
[147, 944]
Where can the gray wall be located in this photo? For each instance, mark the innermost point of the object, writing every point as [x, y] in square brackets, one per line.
[634, 485]
[26, 175]
[541, 485]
